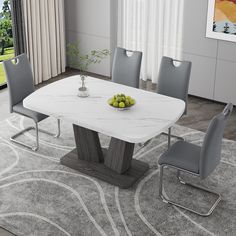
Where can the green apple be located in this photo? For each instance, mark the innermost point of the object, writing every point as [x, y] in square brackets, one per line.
[132, 102]
[115, 104]
[121, 105]
[127, 103]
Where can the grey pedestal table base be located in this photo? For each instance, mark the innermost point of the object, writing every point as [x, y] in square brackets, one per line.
[114, 165]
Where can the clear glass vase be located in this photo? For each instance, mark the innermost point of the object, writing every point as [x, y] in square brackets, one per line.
[83, 90]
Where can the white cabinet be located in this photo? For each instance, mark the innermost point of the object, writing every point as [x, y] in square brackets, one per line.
[225, 84]
[202, 76]
[214, 61]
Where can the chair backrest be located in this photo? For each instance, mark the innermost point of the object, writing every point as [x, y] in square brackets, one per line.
[173, 80]
[19, 79]
[126, 69]
[211, 148]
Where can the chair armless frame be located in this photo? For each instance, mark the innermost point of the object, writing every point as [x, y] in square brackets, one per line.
[125, 68]
[209, 159]
[173, 81]
[20, 84]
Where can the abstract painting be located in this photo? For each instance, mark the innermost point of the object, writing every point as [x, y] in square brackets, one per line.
[221, 22]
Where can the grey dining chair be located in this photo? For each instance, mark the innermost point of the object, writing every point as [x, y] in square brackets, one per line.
[196, 160]
[126, 69]
[20, 84]
[173, 81]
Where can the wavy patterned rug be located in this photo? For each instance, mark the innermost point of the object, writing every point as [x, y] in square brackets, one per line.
[38, 196]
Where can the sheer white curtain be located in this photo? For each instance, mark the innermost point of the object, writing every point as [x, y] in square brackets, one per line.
[45, 37]
[153, 27]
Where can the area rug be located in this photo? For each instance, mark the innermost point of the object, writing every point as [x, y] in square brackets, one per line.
[38, 196]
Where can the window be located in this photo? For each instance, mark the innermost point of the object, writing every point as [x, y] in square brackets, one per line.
[6, 37]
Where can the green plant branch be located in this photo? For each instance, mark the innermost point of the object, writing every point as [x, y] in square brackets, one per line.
[83, 61]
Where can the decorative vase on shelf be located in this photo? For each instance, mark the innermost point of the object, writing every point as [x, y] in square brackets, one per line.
[83, 90]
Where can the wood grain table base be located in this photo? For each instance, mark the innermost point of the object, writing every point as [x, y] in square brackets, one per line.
[114, 165]
[100, 171]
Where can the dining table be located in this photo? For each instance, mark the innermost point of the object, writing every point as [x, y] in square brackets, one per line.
[150, 116]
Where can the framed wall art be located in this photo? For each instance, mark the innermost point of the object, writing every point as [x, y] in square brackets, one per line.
[221, 20]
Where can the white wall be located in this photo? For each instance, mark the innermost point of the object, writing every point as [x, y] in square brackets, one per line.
[89, 22]
[214, 61]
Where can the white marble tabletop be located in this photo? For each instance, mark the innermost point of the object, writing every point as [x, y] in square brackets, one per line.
[152, 113]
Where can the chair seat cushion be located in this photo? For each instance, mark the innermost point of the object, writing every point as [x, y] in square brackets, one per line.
[182, 155]
[36, 116]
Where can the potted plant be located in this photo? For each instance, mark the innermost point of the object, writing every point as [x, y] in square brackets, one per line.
[83, 61]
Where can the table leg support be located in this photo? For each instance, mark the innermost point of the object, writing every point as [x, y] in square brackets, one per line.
[119, 156]
[87, 144]
[115, 165]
